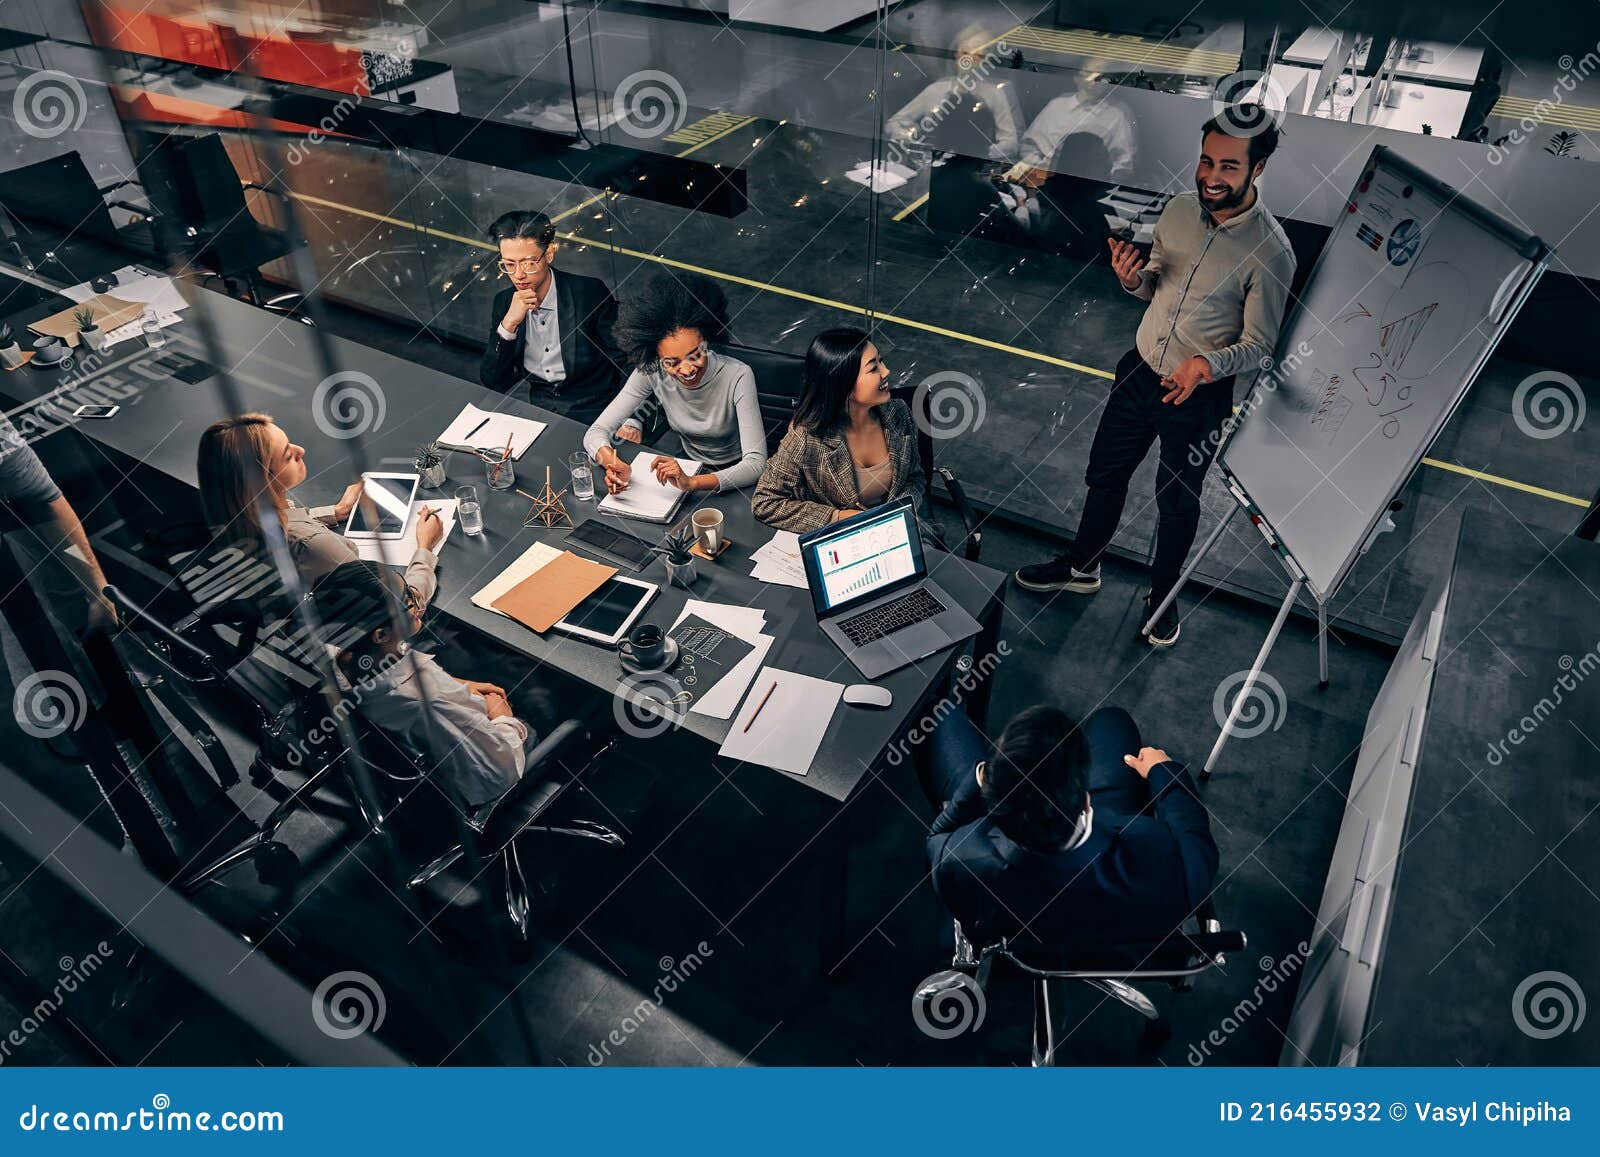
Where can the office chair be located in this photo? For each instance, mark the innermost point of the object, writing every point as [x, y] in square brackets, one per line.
[59, 195]
[779, 380]
[203, 214]
[1108, 968]
[499, 824]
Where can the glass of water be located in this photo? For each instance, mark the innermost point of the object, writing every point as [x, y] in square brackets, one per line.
[150, 327]
[582, 475]
[468, 512]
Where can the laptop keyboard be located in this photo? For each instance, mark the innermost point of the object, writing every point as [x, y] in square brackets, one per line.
[868, 626]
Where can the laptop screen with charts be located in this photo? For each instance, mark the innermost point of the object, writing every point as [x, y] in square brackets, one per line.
[863, 557]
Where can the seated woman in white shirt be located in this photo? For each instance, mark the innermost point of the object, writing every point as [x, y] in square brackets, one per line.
[666, 330]
[247, 459]
[470, 736]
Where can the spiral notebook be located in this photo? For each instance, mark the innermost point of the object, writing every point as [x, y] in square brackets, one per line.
[645, 498]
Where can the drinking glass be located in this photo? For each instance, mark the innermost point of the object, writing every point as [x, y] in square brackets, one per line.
[582, 475]
[150, 326]
[468, 512]
[500, 471]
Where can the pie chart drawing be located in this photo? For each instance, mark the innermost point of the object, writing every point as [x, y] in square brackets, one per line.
[1403, 242]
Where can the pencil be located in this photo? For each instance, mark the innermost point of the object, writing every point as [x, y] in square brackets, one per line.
[760, 705]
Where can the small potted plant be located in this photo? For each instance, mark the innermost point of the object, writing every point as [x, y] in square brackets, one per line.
[10, 352]
[674, 549]
[88, 332]
[430, 464]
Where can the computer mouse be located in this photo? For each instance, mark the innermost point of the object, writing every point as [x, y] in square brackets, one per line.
[868, 695]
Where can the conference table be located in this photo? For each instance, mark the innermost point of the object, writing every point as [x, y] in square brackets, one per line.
[274, 366]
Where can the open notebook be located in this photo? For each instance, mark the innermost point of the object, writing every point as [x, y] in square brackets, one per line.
[475, 429]
[645, 498]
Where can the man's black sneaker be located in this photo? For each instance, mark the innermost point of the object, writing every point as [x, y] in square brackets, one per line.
[1058, 575]
[1165, 631]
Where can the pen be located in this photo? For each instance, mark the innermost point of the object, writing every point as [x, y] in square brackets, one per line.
[760, 705]
[474, 430]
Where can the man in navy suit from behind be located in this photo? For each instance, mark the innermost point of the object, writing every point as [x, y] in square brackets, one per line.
[1066, 834]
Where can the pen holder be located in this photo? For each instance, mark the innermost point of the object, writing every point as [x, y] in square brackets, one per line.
[500, 473]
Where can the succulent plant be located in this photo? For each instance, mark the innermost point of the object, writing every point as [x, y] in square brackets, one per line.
[85, 319]
[429, 455]
[675, 546]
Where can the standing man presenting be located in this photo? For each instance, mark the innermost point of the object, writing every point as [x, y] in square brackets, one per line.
[1217, 282]
[552, 333]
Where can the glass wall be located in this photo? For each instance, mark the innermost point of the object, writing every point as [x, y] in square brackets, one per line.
[318, 178]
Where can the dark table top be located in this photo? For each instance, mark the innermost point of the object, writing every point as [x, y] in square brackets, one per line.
[275, 368]
[1499, 877]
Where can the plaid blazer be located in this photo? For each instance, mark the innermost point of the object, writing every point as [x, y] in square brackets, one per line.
[812, 477]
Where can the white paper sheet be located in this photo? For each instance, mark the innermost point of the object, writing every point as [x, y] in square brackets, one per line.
[398, 551]
[746, 623]
[529, 561]
[152, 290]
[645, 497]
[788, 730]
[779, 561]
[475, 429]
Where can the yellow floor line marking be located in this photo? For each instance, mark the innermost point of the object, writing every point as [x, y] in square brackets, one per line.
[859, 311]
[1126, 49]
[1512, 483]
[911, 208]
[733, 128]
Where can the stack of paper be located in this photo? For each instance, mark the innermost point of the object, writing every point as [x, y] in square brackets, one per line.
[527, 563]
[747, 623]
[779, 561]
[888, 175]
[398, 551]
[475, 429]
[152, 290]
[645, 498]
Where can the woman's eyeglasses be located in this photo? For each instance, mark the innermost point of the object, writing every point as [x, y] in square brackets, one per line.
[527, 265]
[696, 356]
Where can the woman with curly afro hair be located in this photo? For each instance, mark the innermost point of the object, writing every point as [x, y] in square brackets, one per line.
[666, 330]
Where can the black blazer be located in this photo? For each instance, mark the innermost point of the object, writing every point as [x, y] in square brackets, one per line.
[586, 312]
[1135, 878]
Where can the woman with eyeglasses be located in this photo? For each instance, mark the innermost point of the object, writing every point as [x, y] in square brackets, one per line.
[666, 331]
[550, 333]
[248, 459]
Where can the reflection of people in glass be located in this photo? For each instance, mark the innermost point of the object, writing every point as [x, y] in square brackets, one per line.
[971, 90]
[1089, 108]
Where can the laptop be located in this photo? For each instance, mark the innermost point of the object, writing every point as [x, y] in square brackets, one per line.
[872, 594]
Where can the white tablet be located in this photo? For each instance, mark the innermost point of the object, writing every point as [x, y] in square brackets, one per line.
[609, 613]
[387, 509]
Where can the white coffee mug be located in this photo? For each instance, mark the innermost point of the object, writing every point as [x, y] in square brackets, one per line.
[707, 525]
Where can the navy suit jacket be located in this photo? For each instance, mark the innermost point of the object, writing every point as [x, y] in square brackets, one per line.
[587, 311]
[1136, 878]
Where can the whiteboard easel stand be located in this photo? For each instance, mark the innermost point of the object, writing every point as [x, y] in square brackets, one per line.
[1297, 582]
